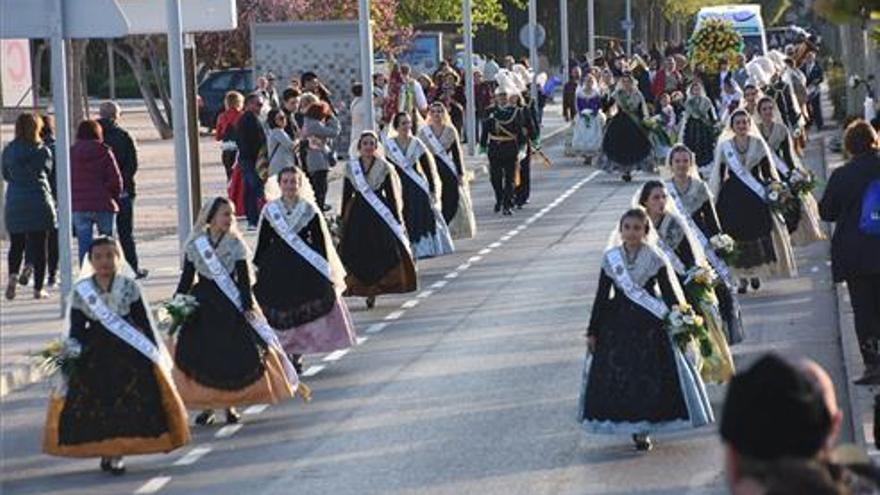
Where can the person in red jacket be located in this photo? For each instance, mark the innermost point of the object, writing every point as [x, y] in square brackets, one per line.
[225, 129]
[668, 79]
[95, 185]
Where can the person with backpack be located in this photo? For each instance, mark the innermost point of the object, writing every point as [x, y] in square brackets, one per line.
[852, 202]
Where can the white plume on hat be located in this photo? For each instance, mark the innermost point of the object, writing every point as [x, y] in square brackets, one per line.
[523, 76]
[757, 74]
[506, 83]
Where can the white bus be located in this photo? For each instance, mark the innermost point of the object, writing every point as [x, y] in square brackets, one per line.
[746, 20]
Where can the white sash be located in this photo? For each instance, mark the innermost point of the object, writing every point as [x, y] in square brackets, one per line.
[674, 260]
[717, 263]
[402, 163]
[282, 227]
[635, 293]
[360, 183]
[258, 323]
[123, 329]
[437, 148]
[780, 164]
[736, 167]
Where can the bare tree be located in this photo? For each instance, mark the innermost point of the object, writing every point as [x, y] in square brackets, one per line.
[141, 54]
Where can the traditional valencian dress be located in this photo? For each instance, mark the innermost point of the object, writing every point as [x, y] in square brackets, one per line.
[698, 129]
[626, 142]
[803, 223]
[638, 381]
[681, 249]
[224, 359]
[120, 399]
[589, 122]
[428, 233]
[374, 247]
[458, 211]
[697, 207]
[738, 181]
[300, 279]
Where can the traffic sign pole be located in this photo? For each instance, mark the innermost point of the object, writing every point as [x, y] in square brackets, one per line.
[533, 46]
[62, 153]
[367, 60]
[470, 107]
[629, 29]
[563, 46]
[591, 30]
[178, 107]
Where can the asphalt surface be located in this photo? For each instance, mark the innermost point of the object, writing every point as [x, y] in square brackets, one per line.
[472, 389]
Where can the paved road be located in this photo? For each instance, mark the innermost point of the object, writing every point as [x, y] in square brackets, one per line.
[469, 386]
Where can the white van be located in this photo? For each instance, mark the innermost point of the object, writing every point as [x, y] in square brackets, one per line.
[746, 20]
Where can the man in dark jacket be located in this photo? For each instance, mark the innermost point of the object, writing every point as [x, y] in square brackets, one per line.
[251, 140]
[815, 77]
[125, 151]
[854, 257]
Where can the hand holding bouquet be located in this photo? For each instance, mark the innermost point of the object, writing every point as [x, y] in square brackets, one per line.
[60, 355]
[725, 247]
[801, 182]
[180, 309]
[685, 325]
[779, 197]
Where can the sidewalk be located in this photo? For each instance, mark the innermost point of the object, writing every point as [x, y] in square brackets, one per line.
[27, 325]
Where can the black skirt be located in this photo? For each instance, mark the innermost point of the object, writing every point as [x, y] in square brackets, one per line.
[451, 192]
[369, 249]
[701, 139]
[747, 219]
[114, 392]
[625, 142]
[217, 347]
[417, 212]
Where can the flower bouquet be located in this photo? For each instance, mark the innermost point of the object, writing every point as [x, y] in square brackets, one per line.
[715, 40]
[655, 127]
[685, 325]
[725, 247]
[60, 355]
[779, 197]
[179, 309]
[699, 282]
[801, 182]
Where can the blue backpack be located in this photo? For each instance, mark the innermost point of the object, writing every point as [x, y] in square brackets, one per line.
[869, 220]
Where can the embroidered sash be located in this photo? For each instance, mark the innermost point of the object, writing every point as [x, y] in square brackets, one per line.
[737, 168]
[123, 329]
[258, 323]
[360, 183]
[402, 163]
[717, 263]
[634, 292]
[285, 231]
[437, 148]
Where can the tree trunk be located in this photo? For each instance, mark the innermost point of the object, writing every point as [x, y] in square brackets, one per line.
[159, 79]
[853, 42]
[78, 112]
[140, 75]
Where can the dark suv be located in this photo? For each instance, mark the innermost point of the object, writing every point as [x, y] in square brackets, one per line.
[214, 87]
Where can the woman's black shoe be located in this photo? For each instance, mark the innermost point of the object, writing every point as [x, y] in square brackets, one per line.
[743, 286]
[206, 418]
[371, 302]
[298, 363]
[627, 177]
[497, 207]
[643, 442]
[232, 416]
[117, 467]
[756, 283]
[105, 464]
[507, 212]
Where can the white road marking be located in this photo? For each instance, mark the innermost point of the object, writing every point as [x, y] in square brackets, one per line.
[193, 456]
[228, 430]
[410, 304]
[256, 409]
[513, 232]
[451, 275]
[425, 294]
[815, 269]
[313, 370]
[376, 327]
[505, 238]
[361, 340]
[495, 245]
[485, 251]
[394, 315]
[153, 485]
[462, 267]
[336, 355]
[474, 259]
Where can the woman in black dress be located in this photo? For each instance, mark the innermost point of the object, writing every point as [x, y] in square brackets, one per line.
[636, 380]
[739, 179]
[224, 356]
[626, 142]
[699, 125]
[120, 398]
[374, 247]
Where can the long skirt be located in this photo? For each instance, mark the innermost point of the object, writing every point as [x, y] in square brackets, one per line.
[808, 229]
[701, 139]
[331, 332]
[638, 381]
[587, 139]
[625, 143]
[458, 211]
[719, 367]
[375, 260]
[221, 361]
[428, 233]
[117, 403]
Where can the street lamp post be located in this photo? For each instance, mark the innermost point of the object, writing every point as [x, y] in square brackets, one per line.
[591, 30]
[366, 60]
[563, 46]
[629, 29]
[179, 121]
[470, 106]
[533, 46]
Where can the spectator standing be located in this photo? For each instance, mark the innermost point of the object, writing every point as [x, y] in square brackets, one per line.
[281, 148]
[125, 151]
[289, 106]
[668, 79]
[815, 76]
[270, 94]
[312, 84]
[490, 68]
[483, 88]
[52, 242]
[251, 141]
[569, 110]
[319, 127]
[853, 252]
[29, 209]
[224, 130]
[95, 185]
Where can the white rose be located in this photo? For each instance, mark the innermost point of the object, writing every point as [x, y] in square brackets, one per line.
[773, 196]
[689, 319]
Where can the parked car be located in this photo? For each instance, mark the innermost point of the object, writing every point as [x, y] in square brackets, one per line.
[214, 87]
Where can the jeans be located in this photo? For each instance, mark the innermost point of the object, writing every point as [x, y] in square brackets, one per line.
[35, 243]
[253, 191]
[125, 231]
[319, 185]
[83, 225]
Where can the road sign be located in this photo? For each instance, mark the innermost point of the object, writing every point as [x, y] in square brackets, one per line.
[150, 17]
[540, 35]
[627, 24]
[35, 19]
[15, 78]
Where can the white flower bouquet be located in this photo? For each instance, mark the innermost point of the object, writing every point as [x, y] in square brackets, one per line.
[801, 182]
[685, 326]
[60, 355]
[725, 247]
[180, 309]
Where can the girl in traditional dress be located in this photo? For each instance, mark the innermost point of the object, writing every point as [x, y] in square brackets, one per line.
[742, 172]
[626, 143]
[678, 242]
[690, 195]
[441, 138]
[699, 125]
[803, 221]
[119, 397]
[590, 120]
[636, 380]
[422, 190]
[374, 246]
[226, 354]
[300, 278]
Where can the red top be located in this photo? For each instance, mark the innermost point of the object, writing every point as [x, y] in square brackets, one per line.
[95, 181]
[228, 117]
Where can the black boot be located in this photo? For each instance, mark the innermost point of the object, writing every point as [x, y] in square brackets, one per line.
[232, 416]
[117, 467]
[643, 442]
[497, 207]
[371, 302]
[206, 417]
[743, 286]
[756, 283]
